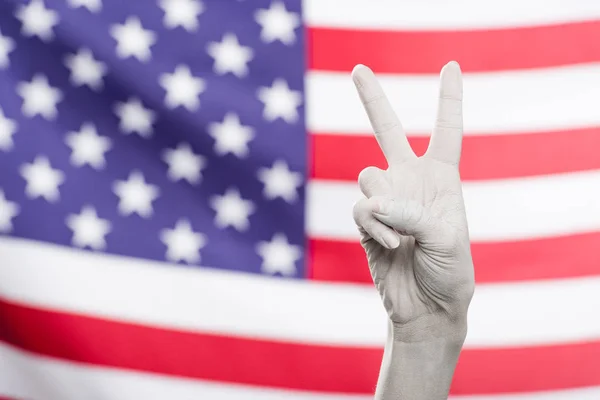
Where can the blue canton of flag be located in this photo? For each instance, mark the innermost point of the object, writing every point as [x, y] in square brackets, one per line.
[169, 133]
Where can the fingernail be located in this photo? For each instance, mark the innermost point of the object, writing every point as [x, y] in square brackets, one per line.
[357, 68]
[454, 64]
[358, 73]
[390, 240]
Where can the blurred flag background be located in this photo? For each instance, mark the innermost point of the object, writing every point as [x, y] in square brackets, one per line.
[177, 178]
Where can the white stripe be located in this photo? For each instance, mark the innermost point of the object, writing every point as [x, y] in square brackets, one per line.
[440, 14]
[164, 295]
[510, 209]
[511, 101]
[24, 376]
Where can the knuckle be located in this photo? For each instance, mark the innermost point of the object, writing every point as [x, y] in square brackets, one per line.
[451, 97]
[374, 98]
[367, 173]
[451, 104]
[450, 124]
[384, 127]
[371, 180]
[359, 211]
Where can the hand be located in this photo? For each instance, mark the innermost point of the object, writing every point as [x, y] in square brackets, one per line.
[412, 219]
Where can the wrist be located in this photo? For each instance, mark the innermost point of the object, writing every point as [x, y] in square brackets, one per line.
[442, 353]
[429, 328]
[420, 365]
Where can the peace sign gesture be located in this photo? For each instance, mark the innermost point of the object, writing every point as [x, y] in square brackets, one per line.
[412, 217]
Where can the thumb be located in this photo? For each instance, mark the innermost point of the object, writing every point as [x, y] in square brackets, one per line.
[409, 218]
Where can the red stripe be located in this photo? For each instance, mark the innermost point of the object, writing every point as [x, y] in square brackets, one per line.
[425, 52]
[483, 157]
[285, 365]
[551, 258]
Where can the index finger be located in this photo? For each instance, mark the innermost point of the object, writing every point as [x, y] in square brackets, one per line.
[386, 125]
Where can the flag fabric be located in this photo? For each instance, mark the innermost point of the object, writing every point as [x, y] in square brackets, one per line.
[178, 178]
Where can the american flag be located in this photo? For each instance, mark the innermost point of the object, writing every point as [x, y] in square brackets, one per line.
[177, 179]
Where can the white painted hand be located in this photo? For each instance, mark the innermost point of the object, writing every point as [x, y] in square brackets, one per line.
[412, 219]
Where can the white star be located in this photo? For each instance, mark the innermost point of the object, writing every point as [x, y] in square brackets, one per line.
[39, 98]
[93, 6]
[88, 229]
[278, 255]
[229, 56]
[87, 147]
[8, 127]
[8, 210]
[277, 23]
[42, 180]
[232, 210]
[37, 20]
[85, 70]
[133, 40]
[183, 244]
[6, 46]
[231, 136]
[135, 195]
[279, 181]
[182, 13]
[280, 101]
[134, 117]
[183, 163]
[182, 88]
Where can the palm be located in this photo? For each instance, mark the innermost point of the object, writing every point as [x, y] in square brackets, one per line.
[425, 277]
[429, 273]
